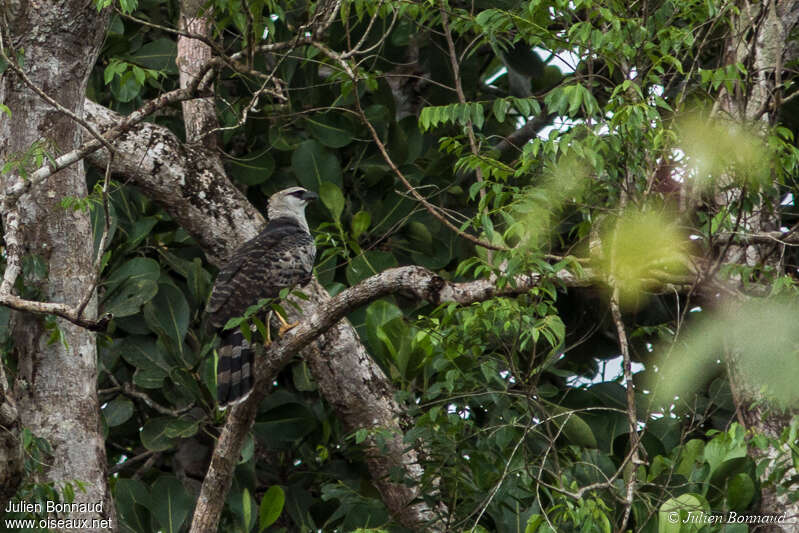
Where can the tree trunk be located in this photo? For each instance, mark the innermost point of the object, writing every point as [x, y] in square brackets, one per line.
[764, 52]
[55, 386]
[195, 191]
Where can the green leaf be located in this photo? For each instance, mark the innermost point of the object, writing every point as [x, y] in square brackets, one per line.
[271, 507]
[381, 312]
[182, 428]
[387, 333]
[574, 427]
[420, 237]
[128, 6]
[252, 171]
[478, 115]
[172, 505]
[368, 264]
[247, 449]
[722, 449]
[360, 223]
[146, 355]
[740, 491]
[302, 378]
[246, 506]
[154, 435]
[575, 97]
[141, 229]
[4, 108]
[533, 522]
[691, 452]
[285, 424]
[131, 286]
[125, 88]
[118, 411]
[197, 278]
[675, 510]
[333, 199]
[168, 314]
[198, 281]
[159, 55]
[500, 110]
[330, 130]
[132, 499]
[314, 164]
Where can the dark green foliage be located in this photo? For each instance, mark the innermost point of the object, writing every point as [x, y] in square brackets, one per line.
[515, 401]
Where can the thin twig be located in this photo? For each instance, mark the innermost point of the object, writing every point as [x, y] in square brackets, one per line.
[504, 475]
[632, 417]
[382, 147]
[47, 98]
[453, 59]
[130, 390]
[21, 186]
[248, 34]
[127, 462]
[98, 261]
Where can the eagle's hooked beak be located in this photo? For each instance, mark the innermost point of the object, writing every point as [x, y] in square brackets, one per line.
[310, 196]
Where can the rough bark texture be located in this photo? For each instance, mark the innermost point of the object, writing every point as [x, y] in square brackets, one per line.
[55, 387]
[199, 115]
[188, 181]
[765, 52]
[11, 465]
[365, 396]
[196, 192]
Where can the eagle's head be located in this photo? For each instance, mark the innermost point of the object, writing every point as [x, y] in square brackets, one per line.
[290, 202]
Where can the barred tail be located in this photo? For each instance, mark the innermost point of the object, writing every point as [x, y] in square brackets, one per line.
[234, 374]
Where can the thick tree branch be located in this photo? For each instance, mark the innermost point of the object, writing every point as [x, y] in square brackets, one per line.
[414, 281]
[21, 186]
[55, 382]
[196, 193]
[188, 181]
[12, 64]
[11, 452]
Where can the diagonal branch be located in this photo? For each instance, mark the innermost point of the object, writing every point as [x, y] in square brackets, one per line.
[194, 190]
[65, 160]
[342, 63]
[414, 281]
[46, 97]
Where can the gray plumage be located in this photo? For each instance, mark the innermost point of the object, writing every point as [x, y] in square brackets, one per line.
[281, 255]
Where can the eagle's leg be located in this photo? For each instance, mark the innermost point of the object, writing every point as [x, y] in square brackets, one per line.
[285, 326]
[267, 319]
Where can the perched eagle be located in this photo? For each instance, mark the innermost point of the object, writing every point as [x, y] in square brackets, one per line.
[281, 256]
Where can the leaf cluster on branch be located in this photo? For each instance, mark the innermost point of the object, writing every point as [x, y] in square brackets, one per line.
[522, 205]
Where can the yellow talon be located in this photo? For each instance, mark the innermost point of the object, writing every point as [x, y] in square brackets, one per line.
[287, 327]
[284, 327]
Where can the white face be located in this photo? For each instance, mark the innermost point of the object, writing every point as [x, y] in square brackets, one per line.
[290, 202]
[295, 197]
